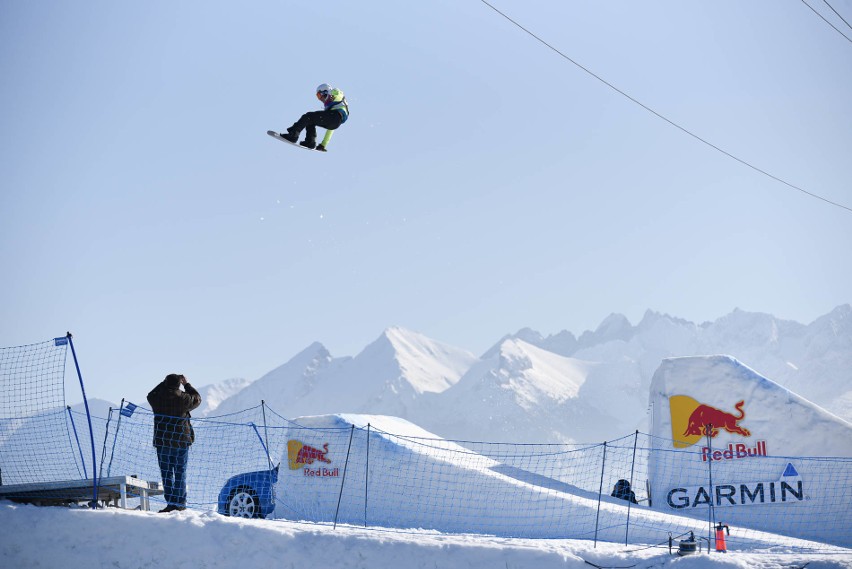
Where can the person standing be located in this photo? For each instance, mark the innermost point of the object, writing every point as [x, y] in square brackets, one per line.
[173, 435]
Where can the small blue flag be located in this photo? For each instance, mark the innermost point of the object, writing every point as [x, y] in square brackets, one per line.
[60, 341]
[128, 409]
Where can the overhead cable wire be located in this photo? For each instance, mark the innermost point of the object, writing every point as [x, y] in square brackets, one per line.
[838, 14]
[826, 21]
[658, 115]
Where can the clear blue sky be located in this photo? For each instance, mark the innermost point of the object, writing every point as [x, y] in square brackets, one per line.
[482, 184]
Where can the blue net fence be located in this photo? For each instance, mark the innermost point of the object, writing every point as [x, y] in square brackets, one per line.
[39, 440]
[383, 472]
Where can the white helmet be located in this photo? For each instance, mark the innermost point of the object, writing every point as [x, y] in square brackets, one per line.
[324, 89]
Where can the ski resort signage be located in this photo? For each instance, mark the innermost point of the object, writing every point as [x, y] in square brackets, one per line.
[733, 452]
[303, 456]
[758, 427]
[790, 488]
[690, 419]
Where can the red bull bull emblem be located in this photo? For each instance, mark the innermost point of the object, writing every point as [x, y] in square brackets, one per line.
[300, 455]
[692, 420]
[716, 419]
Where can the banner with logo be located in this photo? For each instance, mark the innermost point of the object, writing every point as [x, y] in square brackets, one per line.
[727, 437]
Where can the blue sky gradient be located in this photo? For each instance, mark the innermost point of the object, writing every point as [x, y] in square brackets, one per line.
[482, 184]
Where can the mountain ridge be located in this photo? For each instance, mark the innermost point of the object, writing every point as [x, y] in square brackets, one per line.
[567, 388]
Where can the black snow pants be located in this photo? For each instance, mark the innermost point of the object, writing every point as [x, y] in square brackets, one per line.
[328, 120]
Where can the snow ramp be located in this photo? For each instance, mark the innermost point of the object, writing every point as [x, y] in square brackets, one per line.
[770, 460]
[368, 470]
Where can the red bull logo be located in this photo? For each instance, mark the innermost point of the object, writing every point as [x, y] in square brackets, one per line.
[300, 454]
[690, 419]
[716, 419]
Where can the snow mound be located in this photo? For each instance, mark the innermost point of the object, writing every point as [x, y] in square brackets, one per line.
[776, 460]
[369, 470]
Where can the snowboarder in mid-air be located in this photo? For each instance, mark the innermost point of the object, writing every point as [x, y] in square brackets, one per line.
[334, 114]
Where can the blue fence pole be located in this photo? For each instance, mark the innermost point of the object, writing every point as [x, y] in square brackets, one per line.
[114, 438]
[342, 482]
[77, 438]
[632, 469]
[600, 492]
[89, 417]
[711, 514]
[266, 436]
[262, 444]
[103, 450]
[367, 476]
[266, 432]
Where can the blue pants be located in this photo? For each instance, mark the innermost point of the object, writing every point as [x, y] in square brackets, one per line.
[173, 470]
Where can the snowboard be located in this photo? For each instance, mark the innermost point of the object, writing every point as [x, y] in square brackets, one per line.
[277, 136]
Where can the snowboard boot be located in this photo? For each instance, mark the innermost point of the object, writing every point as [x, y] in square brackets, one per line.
[308, 144]
[321, 148]
[290, 136]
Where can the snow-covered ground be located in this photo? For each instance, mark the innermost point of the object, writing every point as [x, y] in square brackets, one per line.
[119, 539]
[522, 516]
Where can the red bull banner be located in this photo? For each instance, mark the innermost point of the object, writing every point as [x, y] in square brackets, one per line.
[690, 418]
[303, 456]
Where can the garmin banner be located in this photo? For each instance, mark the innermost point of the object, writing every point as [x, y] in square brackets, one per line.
[789, 488]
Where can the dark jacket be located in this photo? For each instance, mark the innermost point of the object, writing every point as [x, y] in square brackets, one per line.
[622, 491]
[171, 408]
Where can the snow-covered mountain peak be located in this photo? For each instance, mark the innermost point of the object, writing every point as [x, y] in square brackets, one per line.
[837, 322]
[425, 364]
[744, 328]
[296, 378]
[519, 393]
[564, 343]
[529, 336]
[614, 327]
[311, 358]
[652, 318]
[740, 319]
[530, 387]
[535, 374]
[214, 394]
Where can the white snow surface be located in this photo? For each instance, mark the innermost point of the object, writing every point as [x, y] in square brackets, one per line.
[75, 538]
[79, 537]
